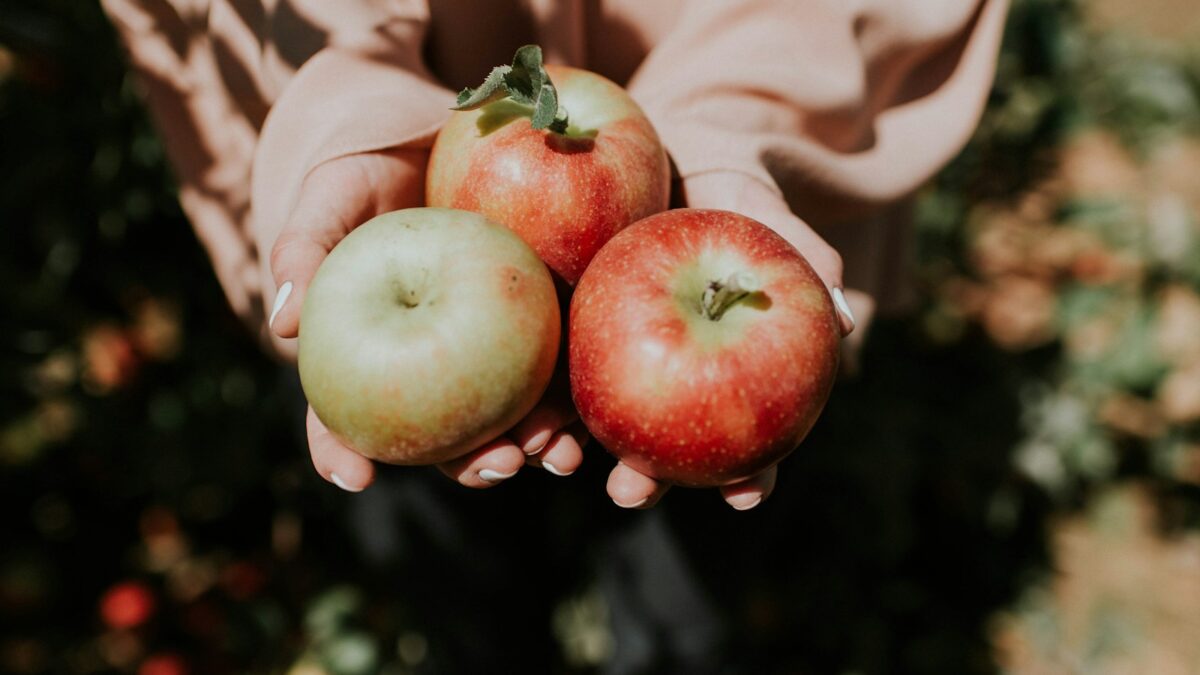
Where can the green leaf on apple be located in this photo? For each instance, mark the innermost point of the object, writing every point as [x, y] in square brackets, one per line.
[546, 108]
[527, 75]
[525, 82]
[493, 89]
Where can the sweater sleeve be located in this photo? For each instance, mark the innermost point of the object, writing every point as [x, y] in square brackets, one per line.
[249, 97]
[364, 90]
[207, 136]
[843, 107]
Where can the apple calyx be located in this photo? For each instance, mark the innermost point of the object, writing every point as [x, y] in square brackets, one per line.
[720, 295]
[525, 82]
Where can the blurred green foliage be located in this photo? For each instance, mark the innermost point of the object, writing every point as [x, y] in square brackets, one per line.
[161, 515]
[1068, 232]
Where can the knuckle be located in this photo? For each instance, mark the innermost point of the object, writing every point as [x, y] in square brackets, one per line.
[280, 251]
[827, 262]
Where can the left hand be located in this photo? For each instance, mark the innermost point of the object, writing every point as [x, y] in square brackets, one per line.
[334, 199]
[740, 193]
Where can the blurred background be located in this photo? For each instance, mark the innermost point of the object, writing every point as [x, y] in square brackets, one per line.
[1012, 483]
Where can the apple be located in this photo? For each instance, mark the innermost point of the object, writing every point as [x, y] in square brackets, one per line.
[702, 347]
[425, 333]
[565, 181]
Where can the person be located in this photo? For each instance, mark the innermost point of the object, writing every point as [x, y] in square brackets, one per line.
[289, 122]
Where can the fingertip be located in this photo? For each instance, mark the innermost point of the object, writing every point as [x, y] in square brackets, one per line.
[632, 490]
[845, 314]
[334, 461]
[535, 443]
[563, 455]
[488, 466]
[750, 493]
[355, 484]
[294, 261]
[538, 429]
[281, 297]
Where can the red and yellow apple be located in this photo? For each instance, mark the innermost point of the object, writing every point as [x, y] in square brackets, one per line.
[565, 192]
[702, 347]
[425, 333]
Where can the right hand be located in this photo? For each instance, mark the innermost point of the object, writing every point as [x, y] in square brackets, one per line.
[335, 198]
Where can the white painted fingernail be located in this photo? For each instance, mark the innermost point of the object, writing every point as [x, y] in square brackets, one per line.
[537, 443]
[748, 505]
[633, 505]
[839, 299]
[280, 298]
[490, 476]
[337, 480]
[554, 469]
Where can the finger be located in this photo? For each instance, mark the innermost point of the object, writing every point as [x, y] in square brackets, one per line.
[632, 490]
[335, 462]
[491, 464]
[752, 198]
[563, 454]
[534, 433]
[822, 257]
[335, 198]
[751, 492]
[864, 312]
[329, 207]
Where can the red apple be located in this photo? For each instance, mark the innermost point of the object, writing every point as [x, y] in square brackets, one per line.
[565, 192]
[426, 333]
[702, 347]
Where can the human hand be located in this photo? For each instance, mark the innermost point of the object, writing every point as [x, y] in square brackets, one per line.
[740, 193]
[334, 199]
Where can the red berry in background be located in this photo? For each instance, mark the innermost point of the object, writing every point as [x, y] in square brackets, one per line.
[127, 605]
[243, 580]
[163, 664]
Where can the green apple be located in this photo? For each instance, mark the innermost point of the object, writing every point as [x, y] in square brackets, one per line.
[425, 333]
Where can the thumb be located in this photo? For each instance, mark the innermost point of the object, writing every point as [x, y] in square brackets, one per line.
[335, 198]
[823, 258]
[742, 194]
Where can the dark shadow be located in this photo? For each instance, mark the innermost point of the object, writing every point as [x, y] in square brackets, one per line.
[879, 551]
[759, 301]
[248, 101]
[616, 49]
[496, 115]
[295, 37]
[569, 145]
[251, 13]
[458, 65]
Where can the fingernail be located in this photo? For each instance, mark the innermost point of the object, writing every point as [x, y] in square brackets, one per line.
[746, 506]
[554, 469]
[633, 505]
[490, 476]
[538, 442]
[839, 299]
[337, 480]
[280, 298]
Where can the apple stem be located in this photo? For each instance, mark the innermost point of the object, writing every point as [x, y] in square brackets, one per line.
[720, 295]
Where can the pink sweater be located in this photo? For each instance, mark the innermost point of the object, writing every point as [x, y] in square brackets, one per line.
[843, 106]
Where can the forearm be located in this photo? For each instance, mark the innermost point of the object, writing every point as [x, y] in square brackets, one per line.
[843, 109]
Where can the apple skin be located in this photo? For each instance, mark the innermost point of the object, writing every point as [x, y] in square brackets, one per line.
[566, 195]
[425, 333]
[683, 398]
